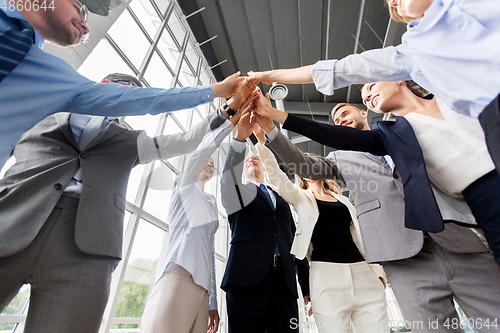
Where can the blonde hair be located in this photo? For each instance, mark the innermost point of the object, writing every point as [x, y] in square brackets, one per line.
[329, 185]
[393, 11]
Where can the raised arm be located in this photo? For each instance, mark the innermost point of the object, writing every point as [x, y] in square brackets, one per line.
[199, 159]
[277, 177]
[339, 137]
[293, 75]
[235, 195]
[387, 64]
[167, 146]
[117, 100]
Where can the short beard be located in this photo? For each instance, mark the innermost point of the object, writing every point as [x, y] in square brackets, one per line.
[62, 36]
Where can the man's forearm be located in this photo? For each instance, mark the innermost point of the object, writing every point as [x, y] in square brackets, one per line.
[301, 164]
[294, 75]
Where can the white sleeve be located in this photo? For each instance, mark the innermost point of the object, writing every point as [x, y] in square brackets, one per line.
[201, 155]
[277, 177]
[387, 64]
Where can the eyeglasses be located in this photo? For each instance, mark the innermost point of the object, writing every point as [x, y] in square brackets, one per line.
[84, 14]
[84, 17]
[129, 82]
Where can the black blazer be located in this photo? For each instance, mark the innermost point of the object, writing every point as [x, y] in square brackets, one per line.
[255, 228]
[394, 138]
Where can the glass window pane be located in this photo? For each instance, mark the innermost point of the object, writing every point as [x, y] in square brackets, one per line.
[196, 116]
[18, 303]
[168, 48]
[141, 273]
[146, 123]
[147, 15]
[103, 61]
[192, 55]
[162, 5]
[205, 76]
[184, 117]
[125, 30]
[175, 25]
[157, 74]
[171, 126]
[134, 181]
[159, 193]
[186, 76]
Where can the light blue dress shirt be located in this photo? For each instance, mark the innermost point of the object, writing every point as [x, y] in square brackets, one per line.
[193, 218]
[43, 84]
[453, 52]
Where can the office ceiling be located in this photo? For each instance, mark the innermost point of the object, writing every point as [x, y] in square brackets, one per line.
[263, 34]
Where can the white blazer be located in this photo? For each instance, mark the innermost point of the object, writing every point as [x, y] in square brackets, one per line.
[304, 204]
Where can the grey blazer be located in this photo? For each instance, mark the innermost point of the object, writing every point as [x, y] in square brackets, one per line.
[377, 192]
[47, 157]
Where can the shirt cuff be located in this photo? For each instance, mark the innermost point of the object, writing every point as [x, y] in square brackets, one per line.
[207, 94]
[323, 76]
[221, 117]
[272, 135]
[237, 146]
[212, 304]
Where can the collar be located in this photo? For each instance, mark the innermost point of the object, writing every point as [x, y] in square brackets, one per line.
[39, 41]
[255, 183]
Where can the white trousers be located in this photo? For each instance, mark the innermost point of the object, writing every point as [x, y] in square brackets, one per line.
[176, 304]
[347, 298]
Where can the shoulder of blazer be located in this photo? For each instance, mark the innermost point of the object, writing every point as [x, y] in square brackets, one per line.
[402, 128]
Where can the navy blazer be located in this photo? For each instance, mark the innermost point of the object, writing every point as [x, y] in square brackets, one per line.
[255, 228]
[394, 138]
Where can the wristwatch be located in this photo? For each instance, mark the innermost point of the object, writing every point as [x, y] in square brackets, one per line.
[229, 111]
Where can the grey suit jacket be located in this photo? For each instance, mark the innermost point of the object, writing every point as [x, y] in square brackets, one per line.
[377, 192]
[47, 157]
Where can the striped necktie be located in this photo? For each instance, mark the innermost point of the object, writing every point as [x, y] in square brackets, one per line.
[382, 158]
[15, 43]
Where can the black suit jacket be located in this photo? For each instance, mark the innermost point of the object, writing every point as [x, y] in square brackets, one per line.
[255, 228]
[394, 138]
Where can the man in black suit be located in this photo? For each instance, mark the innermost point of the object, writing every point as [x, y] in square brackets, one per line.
[259, 280]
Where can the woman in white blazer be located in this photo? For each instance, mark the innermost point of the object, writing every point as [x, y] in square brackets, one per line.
[347, 293]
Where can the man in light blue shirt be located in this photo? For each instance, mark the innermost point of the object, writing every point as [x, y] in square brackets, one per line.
[42, 84]
[62, 206]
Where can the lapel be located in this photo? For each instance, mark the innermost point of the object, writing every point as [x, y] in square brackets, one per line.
[375, 159]
[62, 120]
[113, 129]
[402, 128]
[268, 204]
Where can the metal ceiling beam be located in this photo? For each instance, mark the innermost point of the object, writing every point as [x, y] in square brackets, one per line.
[358, 32]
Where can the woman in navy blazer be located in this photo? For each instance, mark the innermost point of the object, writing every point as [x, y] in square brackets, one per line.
[397, 139]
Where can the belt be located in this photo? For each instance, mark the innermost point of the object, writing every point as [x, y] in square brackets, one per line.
[276, 259]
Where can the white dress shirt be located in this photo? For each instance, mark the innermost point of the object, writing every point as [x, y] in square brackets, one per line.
[193, 218]
[455, 156]
[453, 52]
[454, 149]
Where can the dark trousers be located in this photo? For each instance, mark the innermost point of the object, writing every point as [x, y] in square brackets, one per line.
[483, 198]
[267, 307]
[490, 121]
